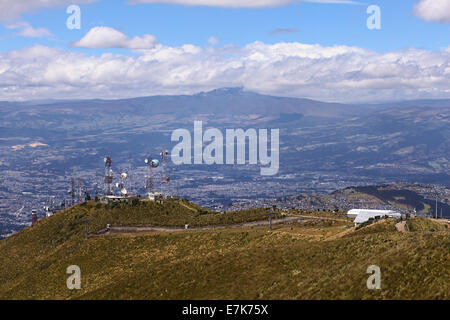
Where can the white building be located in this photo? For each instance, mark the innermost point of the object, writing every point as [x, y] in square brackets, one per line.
[363, 215]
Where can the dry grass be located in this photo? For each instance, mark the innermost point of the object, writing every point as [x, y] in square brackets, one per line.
[316, 260]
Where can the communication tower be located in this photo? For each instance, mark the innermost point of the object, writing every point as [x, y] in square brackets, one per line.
[121, 184]
[164, 178]
[96, 183]
[80, 191]
[108, 180]
[50, 206]
[151, 163]
[72, 191]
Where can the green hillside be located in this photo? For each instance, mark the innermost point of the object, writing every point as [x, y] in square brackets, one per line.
[314, 259]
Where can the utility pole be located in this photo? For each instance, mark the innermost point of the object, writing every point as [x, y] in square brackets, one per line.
[270, 213]
[85, 228]
[436, 206]
[72, 190]
[270, 219]
[96, 183]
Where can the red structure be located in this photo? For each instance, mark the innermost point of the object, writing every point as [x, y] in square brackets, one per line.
[108, 178]
[34, 217]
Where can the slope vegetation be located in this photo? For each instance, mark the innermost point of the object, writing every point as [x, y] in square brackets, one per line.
[307, 260]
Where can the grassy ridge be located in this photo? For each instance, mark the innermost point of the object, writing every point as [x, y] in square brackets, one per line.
[175, 213]
[303, 261]
[427, 225]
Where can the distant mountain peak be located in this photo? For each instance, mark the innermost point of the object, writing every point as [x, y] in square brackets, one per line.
[224, 91]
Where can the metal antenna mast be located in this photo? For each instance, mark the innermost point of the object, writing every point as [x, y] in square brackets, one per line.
[108, 178]
[72, 191]
[121, 185]
[80, 191]
[130, 176]
[436, 205]
[149, 180]
[164, 178]
[96, 183]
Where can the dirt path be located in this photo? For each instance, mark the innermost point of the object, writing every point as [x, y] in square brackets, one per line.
[341, 234]
[187, 207]
[127, 229]
[400, 226]
[444, 221]
[326, 218]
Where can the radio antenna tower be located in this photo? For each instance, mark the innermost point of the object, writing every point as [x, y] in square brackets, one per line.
[151, 163]
[149, 180]
[164, 179]
[130, 176]
[121, 185]
[80, 191]
[72, 191]
[96, 183]
[108, 185]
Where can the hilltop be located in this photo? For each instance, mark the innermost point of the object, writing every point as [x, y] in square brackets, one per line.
[320, 256]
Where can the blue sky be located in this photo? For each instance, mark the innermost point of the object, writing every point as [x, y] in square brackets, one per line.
[405, 25]
[174, 25]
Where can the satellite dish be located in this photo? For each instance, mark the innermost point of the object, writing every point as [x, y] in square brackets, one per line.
[105, 159]
[124, 191]
[123, 176]
[117, 185]
[146, 160]
[155, 163]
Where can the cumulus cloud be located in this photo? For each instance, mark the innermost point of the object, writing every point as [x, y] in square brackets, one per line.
[327, 73]
[106, 37]
[239, 3]
[433, 10]
[213, 40]
[10, 10]
[26, 30]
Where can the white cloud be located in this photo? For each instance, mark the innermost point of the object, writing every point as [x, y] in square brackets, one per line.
[433, 10]
[105, 37]
[26, 30]
[213, 40]
[239, 3]
[11, 10]
[336, 73]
